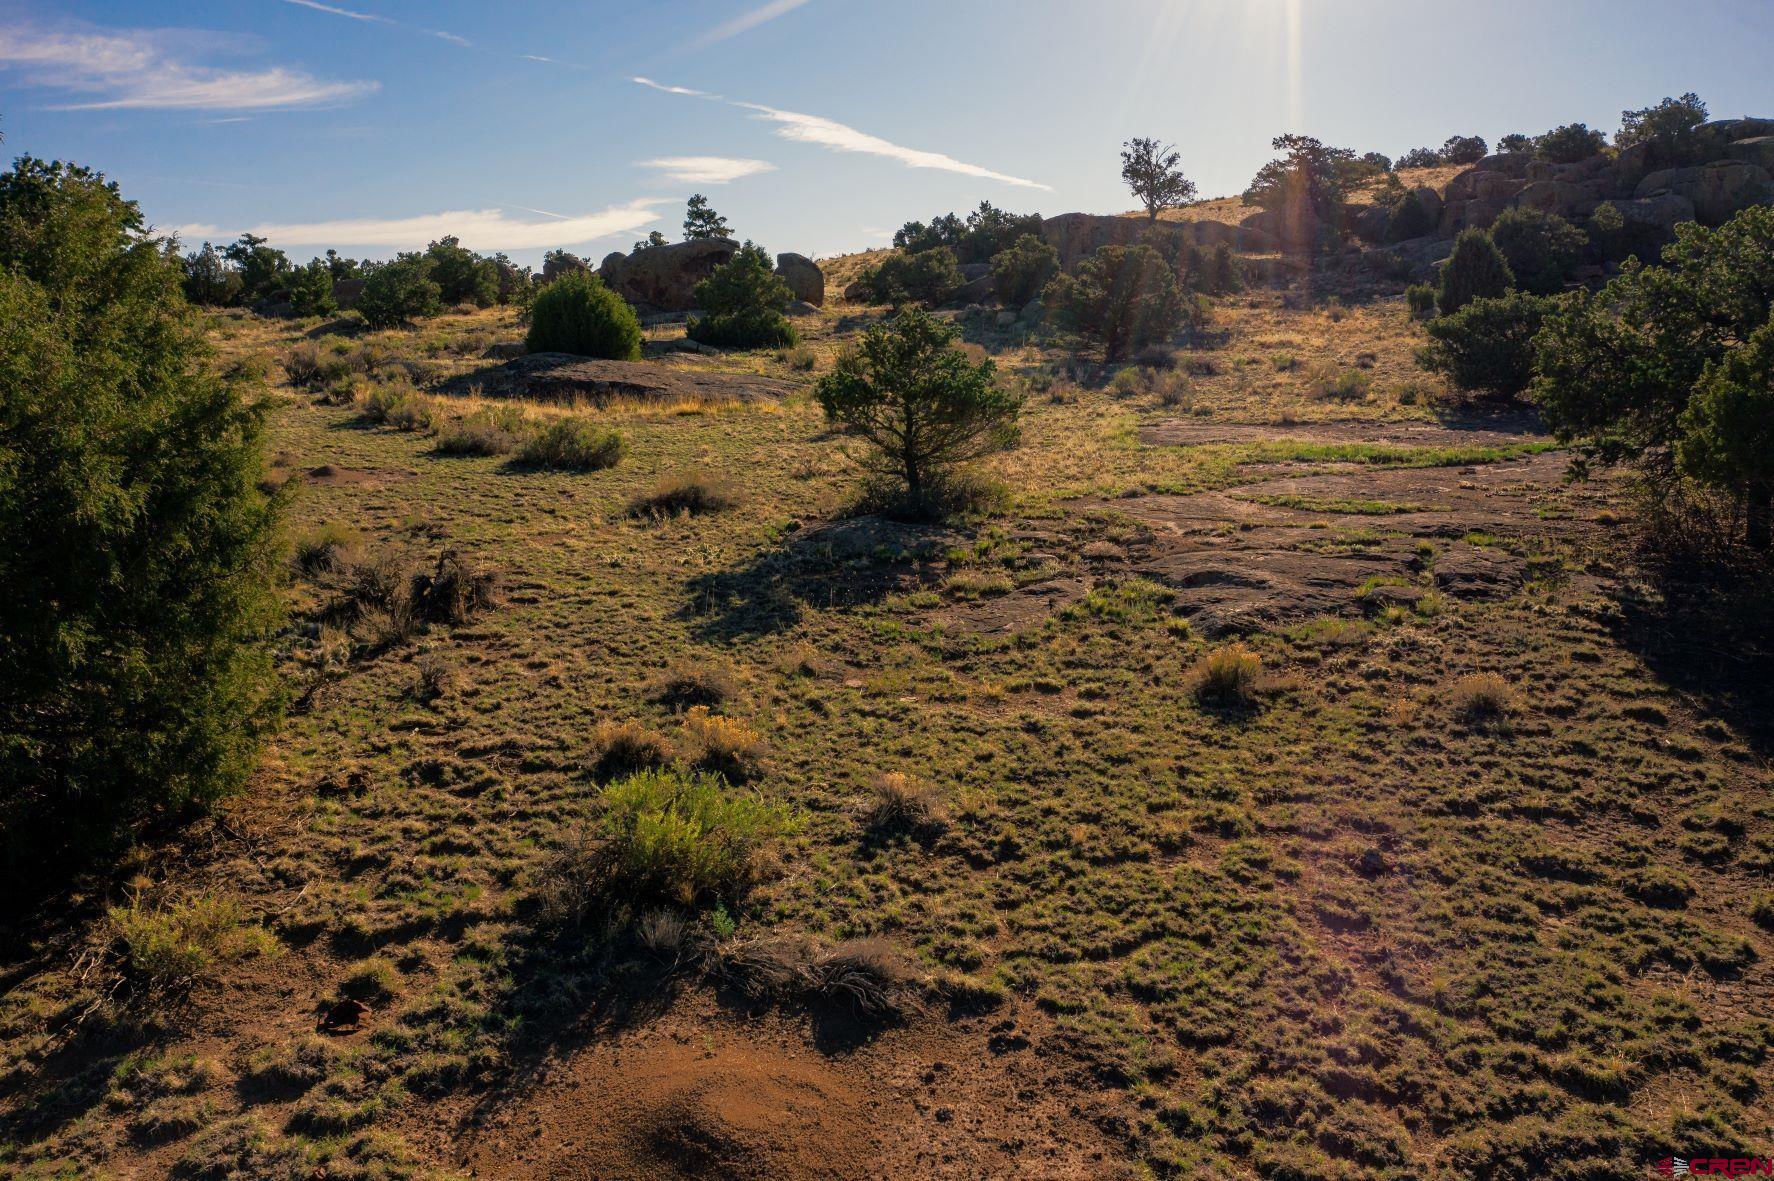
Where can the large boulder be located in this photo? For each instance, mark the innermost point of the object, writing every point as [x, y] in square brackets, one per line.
[1663, 212]
[665, 277]
[1469, 215]
[1556, 196]
[803, 277]
[1758, 151]
[563, 263]
[1079, 235]
[1209, 234]
[983, 289]
[1514, 164]
[346, 293]
[1718, 190]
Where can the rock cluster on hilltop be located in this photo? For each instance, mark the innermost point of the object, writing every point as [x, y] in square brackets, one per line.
[664, 278]
[1725, 167]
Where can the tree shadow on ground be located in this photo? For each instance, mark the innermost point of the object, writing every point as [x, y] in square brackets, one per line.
[1709, 634]
[831, 566]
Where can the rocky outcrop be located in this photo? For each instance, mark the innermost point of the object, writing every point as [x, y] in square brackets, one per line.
[664, 278]
[562, 263]
[565, 378]
[1723, 168]
[1717, 190]
[1078, 235]
[803, 277]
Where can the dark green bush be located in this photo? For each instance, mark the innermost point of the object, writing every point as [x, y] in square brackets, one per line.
[923, 405]
[1488, 345]
[461, 275]
[577, 314]
[987, 232]
[1123, 297]
[1477, 270]
[1410, 217]
[928, 277]
[136, 575]
[1570, 144]
[742, 305]
[1420, 298]
[400, 292]
[1020, 273]
[311, 290]
[1672, 120]
[1542, 249]
[209, 280]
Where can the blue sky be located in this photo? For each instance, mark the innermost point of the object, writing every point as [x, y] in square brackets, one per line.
[814, 125]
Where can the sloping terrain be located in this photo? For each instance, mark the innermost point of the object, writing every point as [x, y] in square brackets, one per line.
[1376, 919]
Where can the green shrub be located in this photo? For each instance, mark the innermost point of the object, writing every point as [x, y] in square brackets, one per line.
[1420, 298]
[667, 837]
[1225, 276]
[461, 275]
[1487, 346]
[399, 292]
[396, 404]
[311, 290]
[494, 431]
[1570, 144]
[1123, 297]
[1477, 270]
[573, 444]
[1020, 273]
[1618, 369]
[987, 232]
[928, 277]
[1542, 249]
[577, 314]
[1410, 217]
[136, 576]
[167, 949]
[1727, 430]
[742, 305]
[923, 405]
[1672, 120]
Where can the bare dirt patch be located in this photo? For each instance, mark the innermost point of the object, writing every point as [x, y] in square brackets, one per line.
[697, 1095]
[1473, 432]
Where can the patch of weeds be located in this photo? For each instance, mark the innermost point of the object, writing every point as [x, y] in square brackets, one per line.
[719, 745]
[664, 837]
[688, 683]
[574, 445]
[1228, 677]
[494, 431]
[902, 803]
[167, 949]
[1481, 698]
[684, 496]
[622, 748]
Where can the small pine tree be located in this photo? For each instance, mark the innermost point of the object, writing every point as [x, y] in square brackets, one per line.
[209, 280]
[924, 407]
[1477, 270]
[742, 304]
[1727, 432]
[926, 277]
[1226, 276]
[577, 314]
[1488, 345]
[400, 292]
[137, 578]
[1151, 170]
[1020, 273]
[311, 290]
[1123, 297]
[461, 275]
[701, 221]
[1542, 249]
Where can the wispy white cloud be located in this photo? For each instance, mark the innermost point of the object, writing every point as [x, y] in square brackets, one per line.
[479, 229]
[452, 38]
[746, 22]
[684, 90]
[707, 170]
[345, 12]
[125, 69]
[839, 137]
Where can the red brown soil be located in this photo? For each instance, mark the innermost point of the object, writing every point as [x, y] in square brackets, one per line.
[700, 1094]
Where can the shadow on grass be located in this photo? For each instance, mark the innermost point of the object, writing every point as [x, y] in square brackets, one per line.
[832, 566]
[1709, 634]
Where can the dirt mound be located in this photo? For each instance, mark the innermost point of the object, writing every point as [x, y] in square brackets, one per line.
[562, 377]
[667, 1109]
